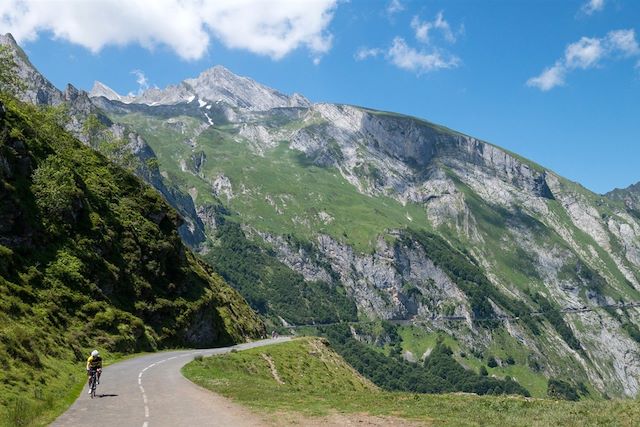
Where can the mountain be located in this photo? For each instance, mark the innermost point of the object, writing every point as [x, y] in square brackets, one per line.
[100, 89]
[630, 196]
[90, 258]
[215, 85]
[418, 223]
[411, 222]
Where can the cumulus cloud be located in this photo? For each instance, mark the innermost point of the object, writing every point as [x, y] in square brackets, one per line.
[549, 78]
[422, 28]
[423, 58]
[592, 6]
[408, 58]
[583, 54]
[587, 53]
[266, 27]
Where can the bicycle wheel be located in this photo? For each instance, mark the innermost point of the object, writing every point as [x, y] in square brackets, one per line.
[93, 385]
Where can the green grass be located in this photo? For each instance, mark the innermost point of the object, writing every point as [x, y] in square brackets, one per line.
[418, 341]
[318, 383]
[298, 190]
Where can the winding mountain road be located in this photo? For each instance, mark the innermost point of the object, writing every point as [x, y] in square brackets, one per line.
[150, 391]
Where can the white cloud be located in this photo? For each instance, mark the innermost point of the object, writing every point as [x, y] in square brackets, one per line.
[422, 28]
[364, 53]
[587, 53]
[408, 58]
[549, 78]
[427, 57]
[584, 53]
[141, 79]
[624, 42]
[269, 27]
[394, 7]
[592, 6]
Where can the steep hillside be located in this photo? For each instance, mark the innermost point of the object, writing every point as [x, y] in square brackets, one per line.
[90, 258]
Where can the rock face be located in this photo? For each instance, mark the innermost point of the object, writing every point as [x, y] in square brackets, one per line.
[283, 166]
[214, 85]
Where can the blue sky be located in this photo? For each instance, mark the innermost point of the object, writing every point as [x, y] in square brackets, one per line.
[555, 81]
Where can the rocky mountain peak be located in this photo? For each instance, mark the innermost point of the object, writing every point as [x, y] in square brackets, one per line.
[38, 90]
[220, 84]
[214, 85]
[8, 40]
[100, 89]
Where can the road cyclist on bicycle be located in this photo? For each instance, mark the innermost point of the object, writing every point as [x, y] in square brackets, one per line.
[94, 370]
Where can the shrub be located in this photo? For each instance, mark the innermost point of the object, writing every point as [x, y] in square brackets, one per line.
[492, 363]
[559, 389]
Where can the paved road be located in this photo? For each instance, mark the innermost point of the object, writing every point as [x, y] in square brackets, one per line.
[150, 391]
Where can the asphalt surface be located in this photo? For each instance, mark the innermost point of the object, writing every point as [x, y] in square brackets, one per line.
[150, 391]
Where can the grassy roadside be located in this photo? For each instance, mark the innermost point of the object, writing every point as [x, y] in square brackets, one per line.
[53, 399]
[317, 382]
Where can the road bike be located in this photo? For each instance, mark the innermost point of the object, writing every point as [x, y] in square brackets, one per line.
[93, 381]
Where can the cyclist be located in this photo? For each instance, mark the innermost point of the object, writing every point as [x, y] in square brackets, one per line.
[94, 363]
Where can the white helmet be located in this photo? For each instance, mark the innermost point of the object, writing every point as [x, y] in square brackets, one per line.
[94, 353]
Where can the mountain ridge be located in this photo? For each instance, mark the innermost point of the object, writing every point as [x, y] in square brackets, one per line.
[216, 84]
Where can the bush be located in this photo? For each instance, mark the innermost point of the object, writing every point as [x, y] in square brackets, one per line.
[559, 389]
[492, 363]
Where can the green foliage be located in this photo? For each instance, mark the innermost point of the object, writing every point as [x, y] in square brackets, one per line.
[56, 193]
[632, 330]
[559, 389]
[9, 80]
[91, 258]
[441, 373]
[553, 315]
[492, 363]
[272, 288]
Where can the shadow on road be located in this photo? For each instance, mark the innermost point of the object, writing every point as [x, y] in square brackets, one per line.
[107, 395]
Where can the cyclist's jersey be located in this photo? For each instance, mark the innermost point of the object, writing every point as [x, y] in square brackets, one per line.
[94, 362]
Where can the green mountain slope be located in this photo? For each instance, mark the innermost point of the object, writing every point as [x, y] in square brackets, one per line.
[359, 188]
[90, 258]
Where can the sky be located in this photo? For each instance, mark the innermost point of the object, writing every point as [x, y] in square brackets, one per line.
[556, 81]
